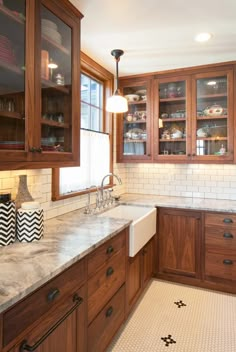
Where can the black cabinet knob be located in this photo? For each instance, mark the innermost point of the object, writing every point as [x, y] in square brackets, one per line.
[193, 154]
[110, 249]
[227, 221]
[109, 312]
[53, 294]
[110, 271]
[227, 262]
[228, 235]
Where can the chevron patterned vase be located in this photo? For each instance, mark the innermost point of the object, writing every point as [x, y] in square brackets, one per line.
[7, 223]
[29, 225]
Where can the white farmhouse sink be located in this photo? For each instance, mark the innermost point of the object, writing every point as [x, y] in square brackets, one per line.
[143, 225]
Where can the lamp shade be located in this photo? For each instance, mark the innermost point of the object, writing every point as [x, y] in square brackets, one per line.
[116, 104]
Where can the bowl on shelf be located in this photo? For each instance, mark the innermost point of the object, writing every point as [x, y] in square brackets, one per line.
[132, 97]
[214, 110]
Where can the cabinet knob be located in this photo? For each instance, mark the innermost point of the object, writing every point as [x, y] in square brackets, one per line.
[193, 154]
[110, 249]
[228, 235]
[144, 251]
[33, 150]
[227, 221]
[109, 312]
[53, 294]
[189, 155]
[227, 262]
[110, 271]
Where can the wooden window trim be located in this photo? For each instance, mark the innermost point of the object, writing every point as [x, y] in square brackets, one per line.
[96, 71]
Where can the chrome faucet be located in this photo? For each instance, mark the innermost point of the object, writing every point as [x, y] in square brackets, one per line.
[88, 209]
[102, 184]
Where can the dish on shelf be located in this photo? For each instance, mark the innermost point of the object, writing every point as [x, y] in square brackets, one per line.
[214, 110]
[141, 91]
[203, 132]
[132, 97]
[135, 133]
[48, 23]
[12, 145]
[178, 114]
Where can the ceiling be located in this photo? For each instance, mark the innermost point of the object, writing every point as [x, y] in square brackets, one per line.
[157, 35]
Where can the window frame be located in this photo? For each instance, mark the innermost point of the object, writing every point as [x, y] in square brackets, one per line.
[95, 71]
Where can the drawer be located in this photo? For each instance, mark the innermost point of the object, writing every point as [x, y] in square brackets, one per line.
[105, 282]
[220, 240]
[105, 252]
[220, 265]
[105, 325]
[23, 314]
[227, 220]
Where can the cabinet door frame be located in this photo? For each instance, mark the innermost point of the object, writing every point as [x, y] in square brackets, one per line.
[230, 119]
[120, 127]
[171, 158]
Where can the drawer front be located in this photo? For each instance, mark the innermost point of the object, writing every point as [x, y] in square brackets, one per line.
[105, 325]
[220, 239]
[228, 220]
[23, 314]
[105, 252]
[220, 265]
[103, 285]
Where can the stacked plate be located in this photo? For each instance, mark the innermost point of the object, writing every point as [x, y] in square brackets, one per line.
[12, 145]
[6, 51]
[49, 29]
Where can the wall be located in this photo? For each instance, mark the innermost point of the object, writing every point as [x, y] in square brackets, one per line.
[186, 180]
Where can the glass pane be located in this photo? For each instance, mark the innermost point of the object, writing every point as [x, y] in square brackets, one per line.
[12, 75]
[85, 116]
[85, 88]
[172, 118]
[56, 72]
[135, 121]
[95, 93]
[95, 119]
[212, 116]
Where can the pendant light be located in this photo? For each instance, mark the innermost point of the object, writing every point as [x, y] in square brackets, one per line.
[117, 103]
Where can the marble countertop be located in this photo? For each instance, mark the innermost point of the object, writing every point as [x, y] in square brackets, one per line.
[67, 238]
[179, 202]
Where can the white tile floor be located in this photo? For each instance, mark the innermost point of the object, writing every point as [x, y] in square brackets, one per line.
[206, 324]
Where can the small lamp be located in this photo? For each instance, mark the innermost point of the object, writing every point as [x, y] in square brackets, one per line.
[117, 103]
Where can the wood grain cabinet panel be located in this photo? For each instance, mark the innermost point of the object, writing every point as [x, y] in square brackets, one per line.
[104, 326]
[49, 296]
[179, 242]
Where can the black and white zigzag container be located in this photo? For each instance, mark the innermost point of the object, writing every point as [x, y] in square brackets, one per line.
[29, 224]
[7, 220]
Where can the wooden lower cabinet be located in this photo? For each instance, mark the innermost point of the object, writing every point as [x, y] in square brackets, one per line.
[140, 271]
[179, 242]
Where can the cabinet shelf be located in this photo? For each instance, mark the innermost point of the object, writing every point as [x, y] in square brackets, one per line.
[212, 117]
[212, 96]
[135, 141]
[134, 122]
[48, 40]
[137, 102]
[169, 100]
[11, 115]
[54, 123]
[212, 139]
[10, 67]
[49, 84]
[172, 140]
[174, 119]
[5, 11]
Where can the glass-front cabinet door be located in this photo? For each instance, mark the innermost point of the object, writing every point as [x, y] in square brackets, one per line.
[212, 116]
[172, 118]
[134, 127]
[12, 80]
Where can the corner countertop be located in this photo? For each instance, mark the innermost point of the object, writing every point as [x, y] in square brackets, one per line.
[228, 206]
[67, 238]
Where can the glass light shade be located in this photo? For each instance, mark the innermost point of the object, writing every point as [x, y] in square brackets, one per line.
[117, 104]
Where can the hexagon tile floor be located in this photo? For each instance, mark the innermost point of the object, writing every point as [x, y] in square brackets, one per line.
[178, 318]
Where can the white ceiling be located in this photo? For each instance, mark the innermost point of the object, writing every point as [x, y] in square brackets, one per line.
[157, 35]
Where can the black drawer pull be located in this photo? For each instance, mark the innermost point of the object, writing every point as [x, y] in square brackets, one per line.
[110, 249]
[227, 262]
[109, 312]
[25, 347]
[53, 294]
[110, 271]
[227, 221]
[228, 235]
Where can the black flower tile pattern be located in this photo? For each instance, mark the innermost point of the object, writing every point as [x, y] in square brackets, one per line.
[168, 340]
[180, 304]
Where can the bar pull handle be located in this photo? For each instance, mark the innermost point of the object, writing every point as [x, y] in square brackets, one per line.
[53, 294]
[228, 235]
[109, 312]
[228, 221]
[227, 262]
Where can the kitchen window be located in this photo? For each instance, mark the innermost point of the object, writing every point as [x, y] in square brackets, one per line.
[95, 140]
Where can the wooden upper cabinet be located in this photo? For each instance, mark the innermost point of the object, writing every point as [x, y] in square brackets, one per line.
[39, 84]
[134, 133]
[172, 118]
